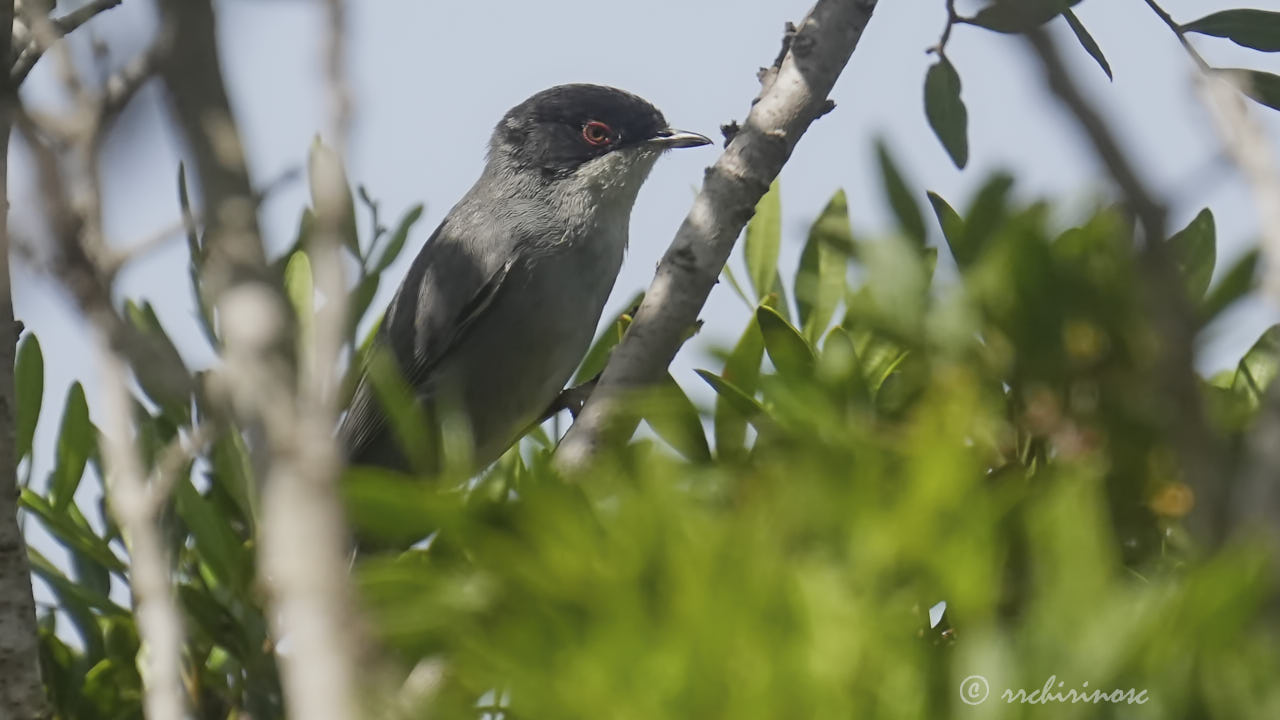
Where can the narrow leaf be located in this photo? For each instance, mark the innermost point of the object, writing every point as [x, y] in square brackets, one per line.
[764, 237]
[1257, 29]
[820, 279]
[899, 197]
[741, 369]
[217, 544]
[949, 220]
[76, 441]
[331, 194]
[790, 354]
[1259, 367]
[1016, 16]
[396, 243]
[1194, 250]
[747, 407]
[1236, 282]
[675, 419]
[594, 361]
[945, 110]
[28, 372]
[1087, 42]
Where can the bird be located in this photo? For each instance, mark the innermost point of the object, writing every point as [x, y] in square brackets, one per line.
[501, 303]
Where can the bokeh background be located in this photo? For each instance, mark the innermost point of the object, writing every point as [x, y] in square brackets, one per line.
[431, 78]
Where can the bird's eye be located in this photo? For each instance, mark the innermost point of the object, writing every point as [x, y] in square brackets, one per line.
[597, 133]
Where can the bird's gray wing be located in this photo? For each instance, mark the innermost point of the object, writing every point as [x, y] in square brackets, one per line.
[449, 286]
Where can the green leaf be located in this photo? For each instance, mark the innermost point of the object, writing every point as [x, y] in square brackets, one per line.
[1236, 282]
[361, 296]
[675, 419]
[76, 442]
[900, 198]
[945, 110]
[1194, 250]
[1087, 42]
[331, 194]
[173, 400]
[790, 354]
[218, 546]
[820, 279]
[65, 587]
[986, 214]
[1263, 87]
[950, 222]
[66, 531]
[764, 238]
[1259, 367]
[28, 375]
[736, 286]
[594, 361]
[839, 366]
[1257, 29]
[300, 287]
[747, 407]
[1016, 16]
[397, 241]
[741, 369]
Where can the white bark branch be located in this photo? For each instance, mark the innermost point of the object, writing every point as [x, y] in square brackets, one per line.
[794, 93]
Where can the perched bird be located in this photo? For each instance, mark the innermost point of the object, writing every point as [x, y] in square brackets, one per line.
[500, 305]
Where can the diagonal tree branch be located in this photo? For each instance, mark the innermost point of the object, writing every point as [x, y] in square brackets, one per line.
[36, 45]
[793, 94]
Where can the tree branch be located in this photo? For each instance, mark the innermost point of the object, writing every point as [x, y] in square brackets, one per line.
[793, 94]
[59, 27]
[21, 693]
[1175, 381]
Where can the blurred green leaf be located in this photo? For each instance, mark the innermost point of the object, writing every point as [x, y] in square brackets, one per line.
[173, 400]
[65, 530]
[1263, 87]
[598, 355]
[1259, 367]
[790, 354]
[28, 372]
[219, 546]
[987, 212]
[361, 296]
[764, 238]
[949, 221]
[331, 194]
[1236, 282]
[1257, 29]
[77, 440]
[397, 241]
[300, 287]
[1087, 42]
[1195, 251]
[742, 370]
[676, 420]
[901, 199]
[820, 279]
[740, 402]
[945, 110]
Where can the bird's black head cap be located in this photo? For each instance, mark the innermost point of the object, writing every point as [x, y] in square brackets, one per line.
[563, 127]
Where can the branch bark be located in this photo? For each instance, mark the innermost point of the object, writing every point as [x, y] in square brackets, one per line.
[21, 692]
[281, 385]
[793, 94]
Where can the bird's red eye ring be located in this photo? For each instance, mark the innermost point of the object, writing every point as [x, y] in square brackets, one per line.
[597, 133]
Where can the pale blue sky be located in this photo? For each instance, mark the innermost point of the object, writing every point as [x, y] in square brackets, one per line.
[431, 79]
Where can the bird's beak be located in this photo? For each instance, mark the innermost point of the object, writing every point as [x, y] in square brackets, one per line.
[671, 138]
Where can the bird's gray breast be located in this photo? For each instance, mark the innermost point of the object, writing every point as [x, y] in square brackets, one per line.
[533, 334]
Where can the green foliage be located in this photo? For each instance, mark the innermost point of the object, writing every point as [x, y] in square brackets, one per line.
[1257, 29]
[945, 110]
[996, 440]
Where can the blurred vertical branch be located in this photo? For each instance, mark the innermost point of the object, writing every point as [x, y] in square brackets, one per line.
[21, 694]
[280, 383]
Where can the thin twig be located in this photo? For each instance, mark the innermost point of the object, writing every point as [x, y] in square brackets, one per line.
[57, 28]
[1182, 36]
